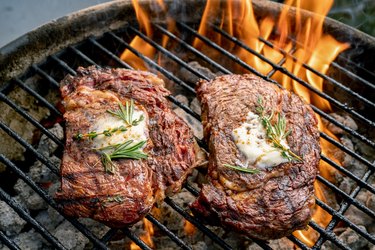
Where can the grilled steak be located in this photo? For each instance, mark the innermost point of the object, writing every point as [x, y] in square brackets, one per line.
[121, 191]
[272, 201]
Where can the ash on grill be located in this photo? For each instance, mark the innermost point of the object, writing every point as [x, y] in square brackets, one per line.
[26, 237]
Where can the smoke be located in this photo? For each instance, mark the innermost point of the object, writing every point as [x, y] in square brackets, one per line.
[359, 14]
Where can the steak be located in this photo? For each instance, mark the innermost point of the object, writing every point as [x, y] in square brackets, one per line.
[271, 202]
[121, 191]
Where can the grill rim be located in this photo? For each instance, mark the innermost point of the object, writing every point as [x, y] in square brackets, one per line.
[324, 234]
[48, 39]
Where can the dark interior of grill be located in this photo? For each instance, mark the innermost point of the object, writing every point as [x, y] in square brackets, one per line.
[350, 85]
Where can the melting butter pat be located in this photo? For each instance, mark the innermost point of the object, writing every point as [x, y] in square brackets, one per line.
[108, 121]
[251, 140]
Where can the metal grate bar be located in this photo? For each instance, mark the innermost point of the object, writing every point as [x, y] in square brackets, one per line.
[27, 146]
[351, 74]
[341, 217]
[196, 223]
[327, 235]
[192, 49]
[51, 202]
[29, 118]
[83, 56]
[45, 75]
[358, 66]
[325, 77]
[335, 64]
[280, 64]
[63, 65]
[37, 96]
[168, 54]
[282, 70]
[150, 62]
[169, 233]
[343, 207]
[299, 243]
[109, 53]
[223, 51]
[191, 189]
[342, 126]
[348, 173]
[347, 150]
[25, 216]
[8, 242]
[184, 107]
[109, 235]
[136, 239]
[350, 199]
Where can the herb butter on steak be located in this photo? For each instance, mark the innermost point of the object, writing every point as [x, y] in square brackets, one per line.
[275, 196]
[125, 149]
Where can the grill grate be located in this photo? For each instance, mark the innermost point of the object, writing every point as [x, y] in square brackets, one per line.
[103, 51]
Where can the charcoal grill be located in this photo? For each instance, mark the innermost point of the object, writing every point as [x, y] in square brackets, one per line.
[98, 35]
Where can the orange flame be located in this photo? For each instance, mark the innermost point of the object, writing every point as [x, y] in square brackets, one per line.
[146, 237]
[299, 40]
[137, 43]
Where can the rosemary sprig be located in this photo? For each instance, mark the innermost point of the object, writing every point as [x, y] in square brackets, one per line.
[126, 113]
[91, 135]
[121, 150]
[246, 170]
[277, 132]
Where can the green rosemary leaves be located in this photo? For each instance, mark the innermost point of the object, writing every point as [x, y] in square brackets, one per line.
[127, 149]
[122, 150]
[126, 113]
[276, 132]
[108, 132]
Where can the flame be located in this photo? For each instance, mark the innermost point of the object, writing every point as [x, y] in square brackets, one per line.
[146, 237]
[299, 41]
[137, 43]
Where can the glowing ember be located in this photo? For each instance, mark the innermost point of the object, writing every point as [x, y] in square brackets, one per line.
[189, 228]
[297, 38]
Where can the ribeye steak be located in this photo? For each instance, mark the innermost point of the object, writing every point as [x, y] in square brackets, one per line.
[120, 191]
[274, 200]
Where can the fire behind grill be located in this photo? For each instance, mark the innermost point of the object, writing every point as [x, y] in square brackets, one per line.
[103, 50]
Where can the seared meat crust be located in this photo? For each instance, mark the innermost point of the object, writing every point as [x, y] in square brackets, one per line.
[277, 201]
[122, 198]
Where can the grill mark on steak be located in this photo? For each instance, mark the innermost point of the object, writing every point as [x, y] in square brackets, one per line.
[171, 148]
[275, 202]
